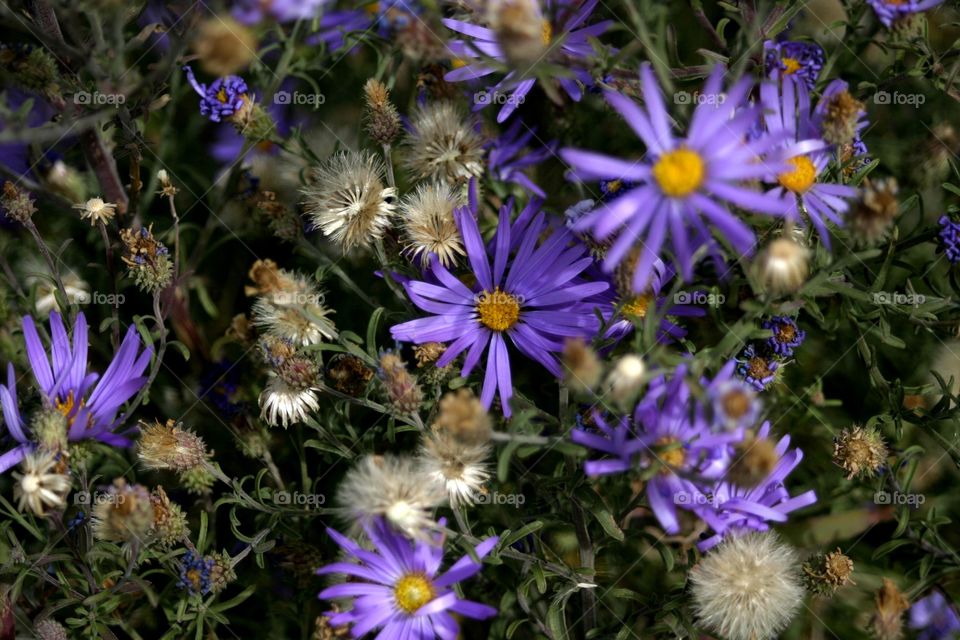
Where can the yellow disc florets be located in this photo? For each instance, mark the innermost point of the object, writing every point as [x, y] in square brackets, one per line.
[801, 177]
[412, 591]
[679, 172]
[498, 310]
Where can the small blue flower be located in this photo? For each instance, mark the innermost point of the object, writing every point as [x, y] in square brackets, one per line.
[796, 61]
[786, 337]
[757, 369]
[195, 573]
[221, 99]
[950, 238]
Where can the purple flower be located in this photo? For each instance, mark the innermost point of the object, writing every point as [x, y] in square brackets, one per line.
[399, 588]
[889, 11]
[788, 116]
[531, 296]
[794, 60]
[89, 402]
[786, 337]
[195, 573]
[221, 99]
[682, 183]
[950, 238]
[253, 11]
[733, 402]
[564, 25]
[756, 369]
[734, 509]
[509, 156]
[935, 618]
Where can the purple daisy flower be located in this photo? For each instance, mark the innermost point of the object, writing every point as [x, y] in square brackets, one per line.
[253, 11]
[89, 405]
[786, 337]
[889, 11]
[732, 401]
[934, 618]
[221, 99]
[734, 509]
[534, 299]
[565, 39]
[794, 60]
[950, 238]
[787, 115]
[682, 183]
[399, 587]
[509, 157]
[756, 369]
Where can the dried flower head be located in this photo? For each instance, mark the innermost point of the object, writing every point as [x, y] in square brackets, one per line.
[861, 451]
[428, 224]
[16, 203]
[147, 259]
[887, 620]
[222, 572]
[582, 368]
[463, 416]
[41, 485]
[442, 146]
[169, 522]
[166, 185]
[170, 446]
[224, 46]
[348, 201]
[840, 118]
[748, 588]
[459, 466]
[50, 629]
[96, 210]
[382, 119]
[123, 513]
[289, 306]
[783, 266]
[824, 574]
[393, 487]
[754, 460]
[348, 374]
[873, 216]
[401, 386]
[282, 404]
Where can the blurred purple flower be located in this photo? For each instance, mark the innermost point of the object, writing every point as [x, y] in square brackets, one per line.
[935, 618]
[889, 11]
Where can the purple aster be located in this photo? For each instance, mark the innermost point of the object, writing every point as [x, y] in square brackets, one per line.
[531, 296]
[735, 509]
[786, 337]
[889, 11]
[794, 60]
[733, 402]
[756, 369]
[221, 99]
[682, 183]
[195, 573]
[934, 618]
[509, 156]
[788, 116]
[950, 238]
[90, 405]
[253, 11]
[565, 38]
[399, 588]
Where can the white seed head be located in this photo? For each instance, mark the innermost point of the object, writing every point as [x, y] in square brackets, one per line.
[625, 379]
[40, 486]
[461, 467]
[783, 267]
[443, 146]
[282, 404]
[428, 223]
[96, 210]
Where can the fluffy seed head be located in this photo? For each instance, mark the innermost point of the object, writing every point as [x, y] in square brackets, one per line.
[96, 210]
[582, 368]
[401, 387]
[874, 214]
[288, 306]
[393, 487]
[783, 266]
[40, 485]
[748, 588]
[462, 416]
[282, 404]
[861, 451]
[170, 446]
[458, 466]
[840, 118]
[887, 621]
[442, 146]
[348, 201]
[124, 513]
[523, 32]
[428, 224]
[625, 379]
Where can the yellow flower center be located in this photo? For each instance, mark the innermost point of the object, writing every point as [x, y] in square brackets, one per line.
[498, 310]
[546, 33]
[458, 63]
[412, 591]
[673, 455]
[736, 403]
[637, 306]
[802, 177]
[222, 95]
[790, 65]
[679, 172]
[614, 185]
